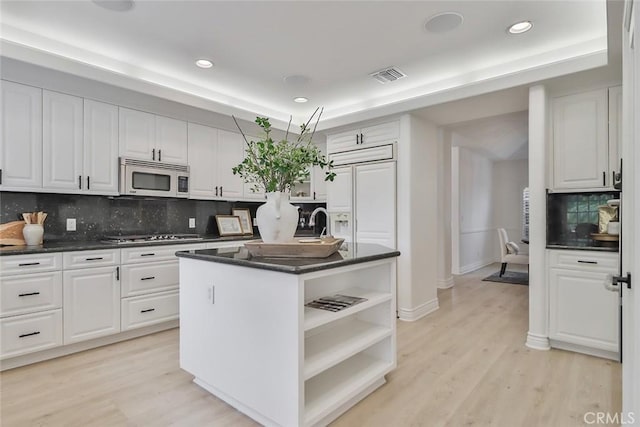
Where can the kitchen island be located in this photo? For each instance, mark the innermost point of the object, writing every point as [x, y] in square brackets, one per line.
[249, 338]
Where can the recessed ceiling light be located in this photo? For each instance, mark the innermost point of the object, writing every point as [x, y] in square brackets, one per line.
[204, 63]
[443, 22]
[117, 5]
[520, 27]
[300, 99]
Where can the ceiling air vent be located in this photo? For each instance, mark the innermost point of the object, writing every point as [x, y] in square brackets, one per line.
[388, 75]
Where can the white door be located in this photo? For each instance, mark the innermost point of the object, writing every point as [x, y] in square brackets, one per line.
[340, 190]
[91, 301]
[62, 141]
[630, 207]
[375, 201]
[203, 150]
[100, 147]
[137, 131]
[230, 154]
[580, 145]
[21, 136]
[171, 140]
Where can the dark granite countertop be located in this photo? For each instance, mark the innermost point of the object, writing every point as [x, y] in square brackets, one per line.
[584, 248]
[86, 245]
[351, 253]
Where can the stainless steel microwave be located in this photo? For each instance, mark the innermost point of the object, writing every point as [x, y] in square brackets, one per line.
[145, 178]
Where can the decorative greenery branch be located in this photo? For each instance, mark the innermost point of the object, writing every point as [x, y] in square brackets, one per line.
[278, 166]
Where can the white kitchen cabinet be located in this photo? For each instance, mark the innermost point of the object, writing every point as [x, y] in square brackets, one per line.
[584, 316]
[20, 137]
[80, 145]
[380, 134]
[213, 153]
[580, 141]
[100, 164]
[366, 194]
[30, 293]
[314, 188]
[149, 309]
[171, 140]
[148, 136]
[615, 132]
[62, 141]
[30, 333]
[91, 301]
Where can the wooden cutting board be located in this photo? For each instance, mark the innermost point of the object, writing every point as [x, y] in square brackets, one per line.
[11, 233]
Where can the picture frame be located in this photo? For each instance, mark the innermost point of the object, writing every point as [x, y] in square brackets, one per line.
[245, 219]
[229, 225]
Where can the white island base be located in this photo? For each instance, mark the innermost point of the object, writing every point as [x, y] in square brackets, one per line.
[247, 337]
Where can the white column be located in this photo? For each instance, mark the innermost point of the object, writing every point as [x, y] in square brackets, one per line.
[538, 335]
[445, 278]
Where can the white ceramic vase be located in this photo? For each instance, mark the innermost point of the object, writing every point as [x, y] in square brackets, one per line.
[33, 234]
[277, 219]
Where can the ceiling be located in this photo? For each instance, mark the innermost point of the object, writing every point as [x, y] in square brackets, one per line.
[334, 44]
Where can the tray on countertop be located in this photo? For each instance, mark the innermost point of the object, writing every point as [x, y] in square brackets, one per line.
[297, 248]
[604, 237]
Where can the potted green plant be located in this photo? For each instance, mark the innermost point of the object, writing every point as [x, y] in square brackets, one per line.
[275, 166]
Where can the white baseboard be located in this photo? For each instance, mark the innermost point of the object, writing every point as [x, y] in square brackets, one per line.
[613, 355]
[413, 314]
[475, 266]
[538, 342]
[445, 283]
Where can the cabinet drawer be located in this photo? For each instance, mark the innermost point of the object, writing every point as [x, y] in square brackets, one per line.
[139, 279]
[149, 309]
[30, 332]
[84, 259]
[27, 293]
[584, 260]
[155, 253]
[20, 264]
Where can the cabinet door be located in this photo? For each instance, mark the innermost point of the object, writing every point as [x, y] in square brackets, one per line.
[615, 131]
[91, 303]
[100, 147]
[580, 148]
[302, 191]
[343, 141]
[21, 136]
[582, 311]
[137, 134]
[62, 141]
[319, 184]
[384, 133]
[375, 199]
[230, 153]
[203, 148]
[171, 140]
[340, 191]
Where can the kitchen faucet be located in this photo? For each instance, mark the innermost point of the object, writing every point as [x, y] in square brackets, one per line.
[312, 220]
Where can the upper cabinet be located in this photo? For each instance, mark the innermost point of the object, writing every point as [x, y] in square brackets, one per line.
[384, 133]
[213, 154]
[151, 137]
[584, 153]
[21, 137]
[80, 145]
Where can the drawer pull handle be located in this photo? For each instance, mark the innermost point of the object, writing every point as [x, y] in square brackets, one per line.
[150, 254]
[587, 262]
[29, 294]
[26, 264]
[28, 335]
[147, 310]
[148, 278]
[94, 259]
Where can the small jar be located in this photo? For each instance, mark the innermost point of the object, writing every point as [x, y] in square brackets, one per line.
[613, 228]
[33, 234]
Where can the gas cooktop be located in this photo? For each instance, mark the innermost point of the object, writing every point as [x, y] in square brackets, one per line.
[146, 238]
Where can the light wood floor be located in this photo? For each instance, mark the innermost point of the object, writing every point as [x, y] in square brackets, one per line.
[465, 364]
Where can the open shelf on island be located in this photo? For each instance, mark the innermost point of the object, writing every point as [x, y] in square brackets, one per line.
[332, 346]
[314, 317]
[326, 392]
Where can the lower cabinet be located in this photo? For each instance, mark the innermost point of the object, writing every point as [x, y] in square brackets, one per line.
[30, 332]
[149, 309]
[91, 300]
[584, 315]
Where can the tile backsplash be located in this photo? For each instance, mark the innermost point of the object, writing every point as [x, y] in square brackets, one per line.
[97, 216]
